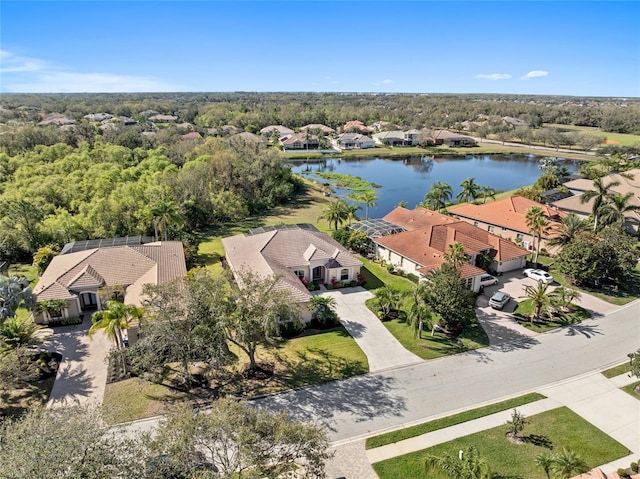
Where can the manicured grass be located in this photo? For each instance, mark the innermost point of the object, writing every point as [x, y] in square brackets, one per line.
[557, 428]
[631, 389]
[614, 297]
[623, 139]
[314, 358]
[378, 276]
[523, 312]
[406, 433]
[617, 371]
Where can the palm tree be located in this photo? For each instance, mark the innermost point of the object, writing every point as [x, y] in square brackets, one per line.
[545, 461]
[601, 195]
[539, 297]
[14, 291]
[566, 464]
[455, 255]
[471, 466]
[323, 309]
[16, 332]
[564, 297]
[567, 230]
[419, 313]
[52, 307]
[442, 192]
[369, 198]
[335, 212]
[351, 212]
[112, 320]
[537, 224]
[470, 190]
[487, 192]
[616, 208]
[165, 212]
[386, 299]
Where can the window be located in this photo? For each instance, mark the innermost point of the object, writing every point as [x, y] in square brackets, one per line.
[518, 236]
[299, 273]
[469, 283]
[475, 223]
[490, 229]
[344, 275]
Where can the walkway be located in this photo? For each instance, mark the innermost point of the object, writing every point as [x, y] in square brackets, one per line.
[82, 374]
[593, 397]
[382, 349]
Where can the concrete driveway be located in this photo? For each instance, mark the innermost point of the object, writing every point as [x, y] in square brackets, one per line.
[501, 327]
[382, 349]
[82, 374]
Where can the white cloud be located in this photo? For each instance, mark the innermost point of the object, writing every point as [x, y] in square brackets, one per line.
[534, 74]
[387, 82]
[30, 75]
[493, 76]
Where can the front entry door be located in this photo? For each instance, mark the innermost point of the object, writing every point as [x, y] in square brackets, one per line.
[318, 273]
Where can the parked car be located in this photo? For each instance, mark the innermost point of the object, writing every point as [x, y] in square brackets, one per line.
[539, 275]
[499, 300]
[488, 280]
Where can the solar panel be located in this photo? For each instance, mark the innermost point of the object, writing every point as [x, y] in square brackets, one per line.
[297, 226]
[84, 245]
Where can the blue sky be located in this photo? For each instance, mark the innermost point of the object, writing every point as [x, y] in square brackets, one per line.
[583, 48]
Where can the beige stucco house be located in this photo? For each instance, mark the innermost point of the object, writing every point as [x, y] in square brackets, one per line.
[295, 254]
[77, 276]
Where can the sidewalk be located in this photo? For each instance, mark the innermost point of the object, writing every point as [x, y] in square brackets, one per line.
[594, 397]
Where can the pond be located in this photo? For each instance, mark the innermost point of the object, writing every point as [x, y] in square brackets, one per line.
[408, 179]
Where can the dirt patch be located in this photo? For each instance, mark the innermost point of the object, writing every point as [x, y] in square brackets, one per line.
[513, 439]
[611, 142]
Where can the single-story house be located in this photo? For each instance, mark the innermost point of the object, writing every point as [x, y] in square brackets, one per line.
[629, 182]
[351, 141]
[299, 141]
[356, 126]
[421, 248]
[507, 219]
[550, 196]
[163, 118]
[191, 136]
[249, 138]
[56, 119]
[98, 117]
[281, 130]
[390, 138]
[82, 269]
[296, 254]
[513, 122]
[449, 138]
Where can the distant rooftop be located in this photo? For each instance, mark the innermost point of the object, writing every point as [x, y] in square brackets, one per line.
[105, 243]
[299, 226]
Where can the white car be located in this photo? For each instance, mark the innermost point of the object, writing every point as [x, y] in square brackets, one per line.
[488, 280]
[539, 275]
[499, 300]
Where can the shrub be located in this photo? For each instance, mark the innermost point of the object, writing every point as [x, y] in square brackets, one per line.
[623, 473]
[65, 321]
[353, 283]
[390, 268]
[413, 278]
[289, 329]
[635, 467]
[329, 286]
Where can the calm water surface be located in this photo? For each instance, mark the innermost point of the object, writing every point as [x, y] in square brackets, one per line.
[408, 179]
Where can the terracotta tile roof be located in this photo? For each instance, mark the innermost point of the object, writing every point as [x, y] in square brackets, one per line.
[504, 249]
[508, 213]
[417, 218]
[158, 262]
[279, 252]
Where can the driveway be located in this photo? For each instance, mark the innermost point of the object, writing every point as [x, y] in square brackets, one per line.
[501, 327]
[82, 374]
[382, 349]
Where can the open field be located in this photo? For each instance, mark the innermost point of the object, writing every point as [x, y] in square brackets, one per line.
[406, 433]
[622, 139]
[547, 432]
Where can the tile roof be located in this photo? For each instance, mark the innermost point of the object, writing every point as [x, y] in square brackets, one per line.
[158, 263]
[417, 218]
[282, 130]
[318, 126]
[508, 213]
[280, 251]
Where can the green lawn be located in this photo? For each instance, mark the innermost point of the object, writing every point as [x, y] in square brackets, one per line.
[552, 429]
[377, 276]
[523, 312]
[617, 371]
[406, 433]
[619, 298]
[631, 389]
[314, 358]
[622, 138]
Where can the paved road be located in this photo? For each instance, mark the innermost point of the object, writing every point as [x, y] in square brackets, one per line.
[382, 349]
[359, 406]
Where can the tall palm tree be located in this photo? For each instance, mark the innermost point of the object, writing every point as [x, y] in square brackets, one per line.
[601, 195]
[567, 464]
[114, 319]
[539, 297]
[370, 199]
[471, 466]
[470, 190]
[386, 299]
[419, 313]
[442, 192]
[351, 212]
[487, 192]
[335, 212]
[616, 208]
[455, 255]
[538, 226]
[567, 230]
[165, 212]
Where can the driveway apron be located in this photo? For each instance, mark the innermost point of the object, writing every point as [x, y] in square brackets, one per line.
[382, 349]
